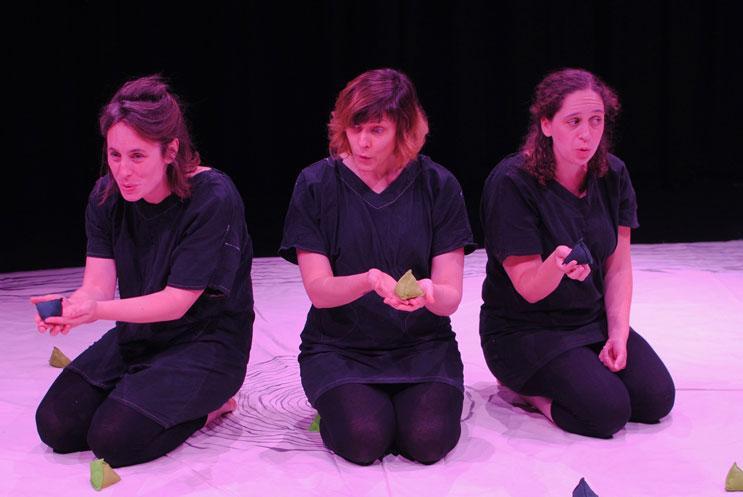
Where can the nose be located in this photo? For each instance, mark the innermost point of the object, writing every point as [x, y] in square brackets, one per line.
[585, 132]
[364, 139]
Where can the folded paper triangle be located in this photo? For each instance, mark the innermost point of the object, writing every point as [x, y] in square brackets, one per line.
[49, 308]
[315, 425]
[102, 475]
[58, 359]
[580, 254]
[734, 480]
[583, 490]
[407, 287]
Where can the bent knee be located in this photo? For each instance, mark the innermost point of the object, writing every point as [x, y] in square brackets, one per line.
[655, 405]
[62, 435]
[360, 444]
[602, 418]
[429, 444]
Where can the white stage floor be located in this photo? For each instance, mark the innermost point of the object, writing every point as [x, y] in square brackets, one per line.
[688, 303]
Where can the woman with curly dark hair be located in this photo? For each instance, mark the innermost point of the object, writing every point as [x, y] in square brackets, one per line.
[557, 218]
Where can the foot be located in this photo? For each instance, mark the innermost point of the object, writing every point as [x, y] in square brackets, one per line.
[228, 406]
[542, 404]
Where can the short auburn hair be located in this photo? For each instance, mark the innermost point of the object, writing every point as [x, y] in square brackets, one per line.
[149, 107]
[371, 96]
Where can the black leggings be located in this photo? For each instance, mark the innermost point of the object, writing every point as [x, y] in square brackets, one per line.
[590, 400]
[74, 416]
[363, 422]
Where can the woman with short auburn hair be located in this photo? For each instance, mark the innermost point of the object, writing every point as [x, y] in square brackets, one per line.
[382, 370]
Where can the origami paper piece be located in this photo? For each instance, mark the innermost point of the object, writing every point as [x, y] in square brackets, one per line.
[580, 254]
[315, 425]
[101, 474]
[49, 308]
[734, 480]
[407, 287]
[583, 490]
[58, 359]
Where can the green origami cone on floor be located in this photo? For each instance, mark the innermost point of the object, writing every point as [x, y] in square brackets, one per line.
[315, 425]
[734, 480]
[58, 359]
[407, 287]
[101, 474]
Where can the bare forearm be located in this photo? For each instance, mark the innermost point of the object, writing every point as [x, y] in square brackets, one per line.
[538, 283]
[446, 299]
[335, 291]
[618, 300]
[166, 305]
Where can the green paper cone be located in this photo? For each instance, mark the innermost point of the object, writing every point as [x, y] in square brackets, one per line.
[315, 425]
[407, 287]
[734, 480]
[58, 359]
[101, 474]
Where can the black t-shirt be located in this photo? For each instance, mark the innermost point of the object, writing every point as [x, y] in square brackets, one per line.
[521, 217]
[420, 215]
[198, 243]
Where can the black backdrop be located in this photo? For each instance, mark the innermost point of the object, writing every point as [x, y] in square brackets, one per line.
[260, 79]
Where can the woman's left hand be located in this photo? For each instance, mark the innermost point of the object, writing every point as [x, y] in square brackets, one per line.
[614, 354]
[416, 303]
[74, 312]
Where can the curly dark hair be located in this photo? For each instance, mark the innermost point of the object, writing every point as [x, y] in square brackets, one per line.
[549, 95]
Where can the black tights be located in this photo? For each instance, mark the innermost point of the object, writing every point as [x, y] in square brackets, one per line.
[363, 422]
[75, 416]
[590, 400]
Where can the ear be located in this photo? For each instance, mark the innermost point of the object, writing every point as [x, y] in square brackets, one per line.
[172, 150]
[546, 125]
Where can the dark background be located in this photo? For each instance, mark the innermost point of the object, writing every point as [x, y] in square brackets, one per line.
[260, 79]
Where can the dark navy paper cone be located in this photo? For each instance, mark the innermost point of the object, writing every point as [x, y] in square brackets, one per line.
[580, 254]
[49, 308]
[583, 490]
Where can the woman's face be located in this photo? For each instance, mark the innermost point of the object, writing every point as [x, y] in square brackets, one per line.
[373, 144]
[576, 128]
[137, 164]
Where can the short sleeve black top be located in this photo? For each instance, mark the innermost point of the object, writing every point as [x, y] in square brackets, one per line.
[198, 243]
[420, 215]
[521, 217]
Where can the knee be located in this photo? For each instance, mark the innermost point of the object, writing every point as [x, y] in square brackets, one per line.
[430, 441]
[111, 444]
[609, 415]
[602, 417]
[58, 432]
[359, 443]
[655, 403]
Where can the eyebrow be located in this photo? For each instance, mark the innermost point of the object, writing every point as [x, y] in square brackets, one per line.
[113, 149]
[595, 111]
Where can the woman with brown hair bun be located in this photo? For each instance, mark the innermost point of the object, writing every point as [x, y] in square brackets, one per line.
[171, 232]
[383, 372]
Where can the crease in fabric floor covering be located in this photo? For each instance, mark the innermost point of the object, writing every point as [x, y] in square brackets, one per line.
[688, 303]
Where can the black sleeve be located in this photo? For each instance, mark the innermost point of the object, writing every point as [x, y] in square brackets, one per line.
[451, 225]
[302, 226]
[209, 253]
[510, 217]
[627, 201]
[98, 223]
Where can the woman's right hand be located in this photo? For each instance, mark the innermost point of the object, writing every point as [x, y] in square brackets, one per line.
[41, 325]
[572, 269]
